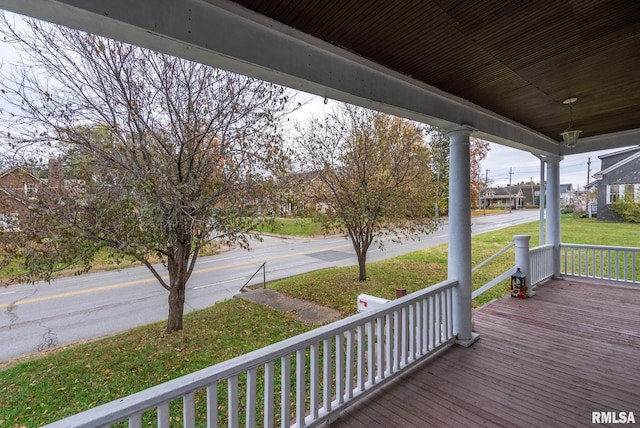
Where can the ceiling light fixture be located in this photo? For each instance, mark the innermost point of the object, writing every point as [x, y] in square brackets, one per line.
[570, 136]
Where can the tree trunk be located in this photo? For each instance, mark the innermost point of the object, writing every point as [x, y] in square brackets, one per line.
[362, 264]
[176, 307]
[178, 265]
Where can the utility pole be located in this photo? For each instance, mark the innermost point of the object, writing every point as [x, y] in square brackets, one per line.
[587, 188]
[533, 196]
[486, 184]
[510, 174]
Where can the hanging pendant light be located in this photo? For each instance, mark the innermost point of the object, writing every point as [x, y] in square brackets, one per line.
[570, 136]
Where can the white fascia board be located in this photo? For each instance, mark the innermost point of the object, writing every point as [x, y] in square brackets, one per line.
[617, 165]
[619, 152]
[224, 35]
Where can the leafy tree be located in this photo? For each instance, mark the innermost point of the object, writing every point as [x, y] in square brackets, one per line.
[478, 150]
[438, 144]
[166, 154]
[373, 170]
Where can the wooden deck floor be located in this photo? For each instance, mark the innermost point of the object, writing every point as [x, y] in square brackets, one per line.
[546, 361]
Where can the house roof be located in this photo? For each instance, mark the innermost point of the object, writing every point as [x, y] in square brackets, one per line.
[617, 165]
[18, 169]
[501, 67]
[503, 192]
[565, 188]
[620, 152]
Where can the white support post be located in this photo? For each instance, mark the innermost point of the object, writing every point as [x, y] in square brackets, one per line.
[459, 265]
[542, 201]
[523, 260]
[553, 211]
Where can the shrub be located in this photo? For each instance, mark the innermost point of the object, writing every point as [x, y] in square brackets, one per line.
[627, 209]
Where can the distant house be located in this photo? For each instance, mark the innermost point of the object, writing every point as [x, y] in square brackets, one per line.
[619, 176]
[304, 194]
[18, 188]
[502, 197]
[567, 195]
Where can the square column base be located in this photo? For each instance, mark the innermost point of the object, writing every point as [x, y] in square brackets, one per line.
[468, 342]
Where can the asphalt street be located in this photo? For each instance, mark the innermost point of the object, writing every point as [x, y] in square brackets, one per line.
[38, 317]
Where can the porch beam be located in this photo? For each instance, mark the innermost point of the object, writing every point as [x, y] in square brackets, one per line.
[459, 258]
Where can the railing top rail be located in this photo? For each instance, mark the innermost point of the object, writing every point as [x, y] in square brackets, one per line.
[117, 410]
[512, 244]
[541, 248]
[601, 247]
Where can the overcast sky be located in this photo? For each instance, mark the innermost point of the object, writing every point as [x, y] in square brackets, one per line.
[525, 166]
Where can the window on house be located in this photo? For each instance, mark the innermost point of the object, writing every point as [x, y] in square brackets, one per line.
[618, 191]
[613, 193]
[30, 190]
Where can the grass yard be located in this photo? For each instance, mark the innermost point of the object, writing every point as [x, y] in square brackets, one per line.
[70, 380]
[292, 226]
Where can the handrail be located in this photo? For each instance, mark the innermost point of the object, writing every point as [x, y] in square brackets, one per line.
[489, 285]
[493, 257]
[334, 365]
[264, 277]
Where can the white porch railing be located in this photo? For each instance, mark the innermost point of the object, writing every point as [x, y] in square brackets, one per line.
[600, 262]
[540, 266]
[541, 263]
[587, 261]
[300, 381]
[489, 285]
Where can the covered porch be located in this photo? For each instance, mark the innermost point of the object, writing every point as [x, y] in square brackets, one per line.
[552, 360]
[498, 71]
[560, 358]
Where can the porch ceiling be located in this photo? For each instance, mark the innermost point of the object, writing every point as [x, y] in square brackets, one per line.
[516, 58]
[501, 66]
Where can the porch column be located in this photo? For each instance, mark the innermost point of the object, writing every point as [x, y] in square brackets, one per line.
[459, 263]
[542, 201]
[553, 211]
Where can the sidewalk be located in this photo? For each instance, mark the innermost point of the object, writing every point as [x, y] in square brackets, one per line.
[301, 309]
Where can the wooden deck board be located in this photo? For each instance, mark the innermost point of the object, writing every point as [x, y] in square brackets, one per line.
[550, 360]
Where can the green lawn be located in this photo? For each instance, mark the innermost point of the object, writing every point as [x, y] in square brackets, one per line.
[292, 226]
[70, 380]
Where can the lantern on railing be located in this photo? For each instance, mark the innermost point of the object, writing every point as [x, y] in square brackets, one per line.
[518, 287]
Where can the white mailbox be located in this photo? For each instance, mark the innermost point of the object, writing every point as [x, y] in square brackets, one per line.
[367, 302]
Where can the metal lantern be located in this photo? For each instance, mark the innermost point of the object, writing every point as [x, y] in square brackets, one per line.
[518, 286]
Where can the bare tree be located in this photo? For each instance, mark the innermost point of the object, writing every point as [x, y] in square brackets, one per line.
[374, 176]
[167, 154]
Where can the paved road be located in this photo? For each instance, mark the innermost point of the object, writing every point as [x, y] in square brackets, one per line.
[42, 316]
